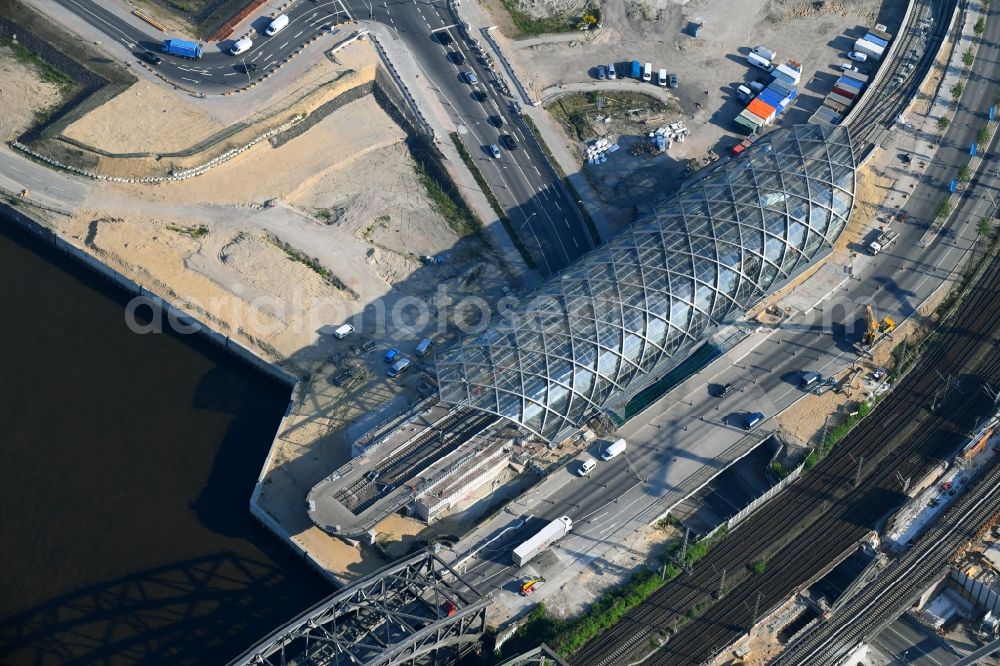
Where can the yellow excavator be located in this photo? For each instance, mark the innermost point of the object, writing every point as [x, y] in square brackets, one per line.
[874, 327]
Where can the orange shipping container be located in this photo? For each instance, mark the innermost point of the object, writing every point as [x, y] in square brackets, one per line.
[762, 109]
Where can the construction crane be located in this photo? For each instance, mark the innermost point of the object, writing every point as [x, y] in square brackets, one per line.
[874, 328]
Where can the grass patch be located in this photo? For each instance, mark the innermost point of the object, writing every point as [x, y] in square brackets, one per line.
[378, 223]
[312, 263]
[494, 202]
[527, 24]
[577, 111]
[45, 71]
[455, 214]
[836, 434]
[195, 231]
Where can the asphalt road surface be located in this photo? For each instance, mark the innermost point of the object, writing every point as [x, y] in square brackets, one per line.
[539, 207]
[906, 642]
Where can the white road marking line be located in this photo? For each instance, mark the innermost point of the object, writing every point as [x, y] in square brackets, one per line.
[575, 243]
[231, 74]
[298, 33]
[192, 80]
[560, 208]
[283, 46]
[15, 168]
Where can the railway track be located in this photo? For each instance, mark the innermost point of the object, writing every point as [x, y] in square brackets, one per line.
[914, 56]
[816, 505]
[838, 516]
[897, 585]
[407, 461]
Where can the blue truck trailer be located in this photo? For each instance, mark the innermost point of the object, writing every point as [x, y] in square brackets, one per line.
[182, 48]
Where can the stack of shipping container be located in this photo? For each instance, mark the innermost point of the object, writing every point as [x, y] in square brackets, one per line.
[847, 90]
[773, 99]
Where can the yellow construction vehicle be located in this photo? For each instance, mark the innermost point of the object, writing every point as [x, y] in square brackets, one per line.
[874, 327]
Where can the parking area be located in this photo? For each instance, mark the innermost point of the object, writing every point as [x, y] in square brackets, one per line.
[709, 69]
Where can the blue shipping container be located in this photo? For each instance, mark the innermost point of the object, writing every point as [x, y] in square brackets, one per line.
[844, 82]
[780, 89]
[792, 95]
[636, 70]
[783, 78]
[770, 97]
[876, 40]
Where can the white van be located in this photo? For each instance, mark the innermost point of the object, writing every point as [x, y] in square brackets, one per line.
[745, 93]
[343, 331]
[647, 72]
[241, 46]
[758, 61]
[586, 467]
[613, 449]
[662, 78]
[276, 25]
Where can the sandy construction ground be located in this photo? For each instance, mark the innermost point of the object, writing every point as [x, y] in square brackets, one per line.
[148, 117]
[22, 93]
[212, 244]
[709, 70]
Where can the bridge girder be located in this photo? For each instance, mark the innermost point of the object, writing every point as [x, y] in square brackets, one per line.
[394, 617]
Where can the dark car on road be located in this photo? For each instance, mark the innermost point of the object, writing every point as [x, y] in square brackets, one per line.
[249, 67]
[479, 96]
[496, 121]
[752, 419]
[508, 142]
[456, 57]
[151, 58]
[443, 37]
[722, 390]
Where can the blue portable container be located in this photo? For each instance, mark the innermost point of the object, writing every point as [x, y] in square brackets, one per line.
[876, 40]
[845, 82]
[770, 97]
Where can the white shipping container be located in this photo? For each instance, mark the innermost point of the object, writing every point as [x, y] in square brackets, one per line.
[870, 49]
[766, 53]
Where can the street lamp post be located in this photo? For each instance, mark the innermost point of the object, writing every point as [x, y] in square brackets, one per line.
[245, 70]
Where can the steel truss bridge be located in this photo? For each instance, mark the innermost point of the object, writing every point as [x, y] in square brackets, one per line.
[417, 611]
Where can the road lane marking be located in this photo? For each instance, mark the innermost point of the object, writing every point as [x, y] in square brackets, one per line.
[231, 74]
[298, 33]
[192, 80]
[283, 46]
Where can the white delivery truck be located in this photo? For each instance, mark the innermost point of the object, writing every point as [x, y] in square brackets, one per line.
[277, 25]
[758, 61]
[548, 535]
[647, 72]
[885, 239]
[613, 449]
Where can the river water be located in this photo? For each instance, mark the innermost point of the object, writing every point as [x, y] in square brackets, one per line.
[128, 463]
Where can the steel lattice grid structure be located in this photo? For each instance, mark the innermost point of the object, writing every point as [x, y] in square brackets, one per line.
[607, 324]
[398, 615]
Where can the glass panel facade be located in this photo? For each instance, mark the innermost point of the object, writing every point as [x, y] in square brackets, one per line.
[704, 255]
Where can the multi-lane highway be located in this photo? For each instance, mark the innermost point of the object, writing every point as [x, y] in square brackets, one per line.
[543, 213]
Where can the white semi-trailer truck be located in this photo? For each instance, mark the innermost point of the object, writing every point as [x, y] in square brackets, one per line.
[548, 535]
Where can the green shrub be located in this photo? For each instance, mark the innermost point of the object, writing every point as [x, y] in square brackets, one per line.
[943, 209]
[980, 26]
[943, 122]
[957, 90]
[968, 57]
